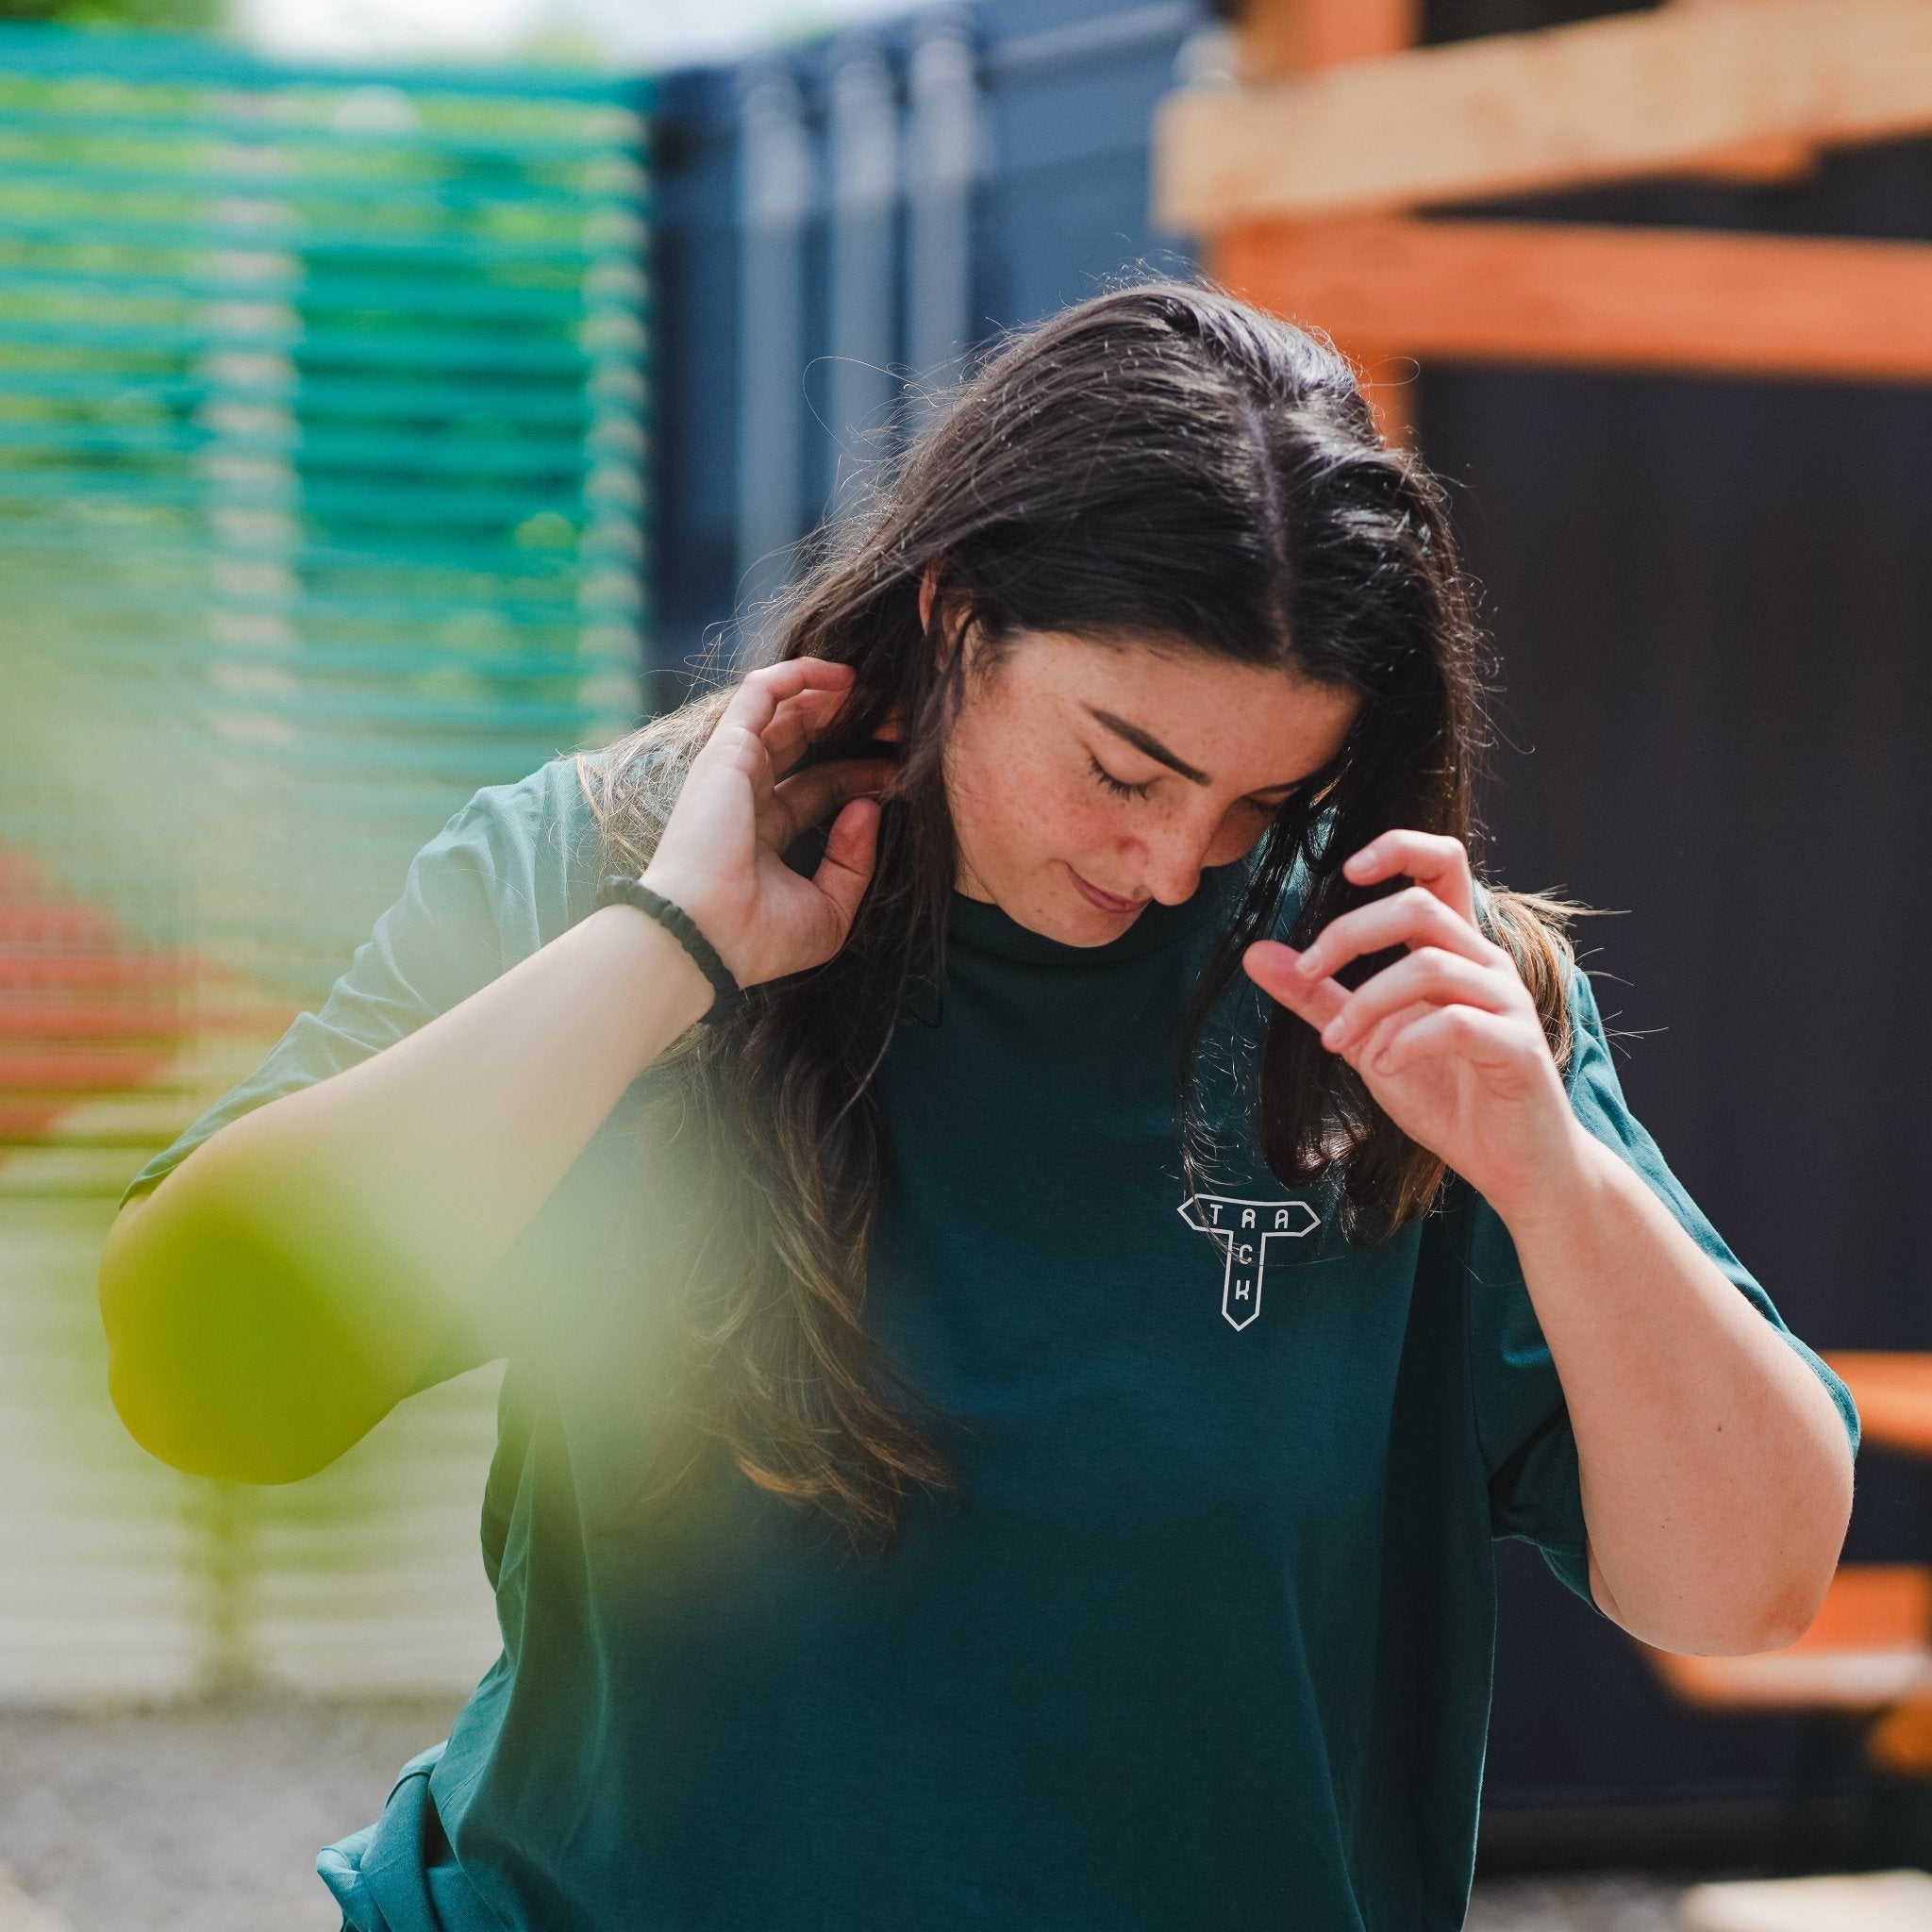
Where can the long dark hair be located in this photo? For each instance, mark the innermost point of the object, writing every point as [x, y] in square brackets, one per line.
[1161, 463]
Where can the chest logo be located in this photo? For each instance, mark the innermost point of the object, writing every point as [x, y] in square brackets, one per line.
[1248, 1231]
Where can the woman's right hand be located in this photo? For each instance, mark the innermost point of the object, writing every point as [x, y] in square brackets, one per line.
[721, 854]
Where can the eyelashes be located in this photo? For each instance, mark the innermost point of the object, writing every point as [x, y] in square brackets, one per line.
[1119, 787]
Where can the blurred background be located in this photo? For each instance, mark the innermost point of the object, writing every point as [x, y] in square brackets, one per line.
[393, 396]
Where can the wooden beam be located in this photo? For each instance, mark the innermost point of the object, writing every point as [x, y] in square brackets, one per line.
[1635, 94]
[1771, 157]
[1634, 298]
[1278, 38]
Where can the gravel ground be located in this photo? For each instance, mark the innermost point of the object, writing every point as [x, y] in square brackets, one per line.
[209, 1818]
[1619, 1902]
[206, 1818]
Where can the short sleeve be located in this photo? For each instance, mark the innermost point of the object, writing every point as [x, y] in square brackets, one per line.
[1523, 1425]
[508, 872]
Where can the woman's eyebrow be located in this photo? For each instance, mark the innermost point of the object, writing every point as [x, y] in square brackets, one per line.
[1145, 742]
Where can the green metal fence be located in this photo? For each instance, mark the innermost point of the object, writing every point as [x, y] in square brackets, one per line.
[321, 437]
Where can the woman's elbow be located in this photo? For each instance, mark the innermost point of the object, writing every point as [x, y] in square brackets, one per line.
[1745, 1627]
[199, 1438]
[217, 1364]
[1799, 1554]
[1781, 1616]
[1760, 1592]
[1801, 1574]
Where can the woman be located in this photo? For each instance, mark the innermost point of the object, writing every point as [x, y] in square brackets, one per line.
[1004, 1419]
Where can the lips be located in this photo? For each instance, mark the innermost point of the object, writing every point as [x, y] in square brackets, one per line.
[1108, 902]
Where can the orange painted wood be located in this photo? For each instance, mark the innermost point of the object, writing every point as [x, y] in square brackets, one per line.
[1901, 1741]
[1894, 1397]
[1649, 93]
[1871, 1607]
[1282, 37]
[1646, 298]
[1278, 38]
[1771, 156]
[1869, 1647]
[88, 1011]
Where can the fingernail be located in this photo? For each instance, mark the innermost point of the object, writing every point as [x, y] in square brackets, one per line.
[1305, 965]
[1331, 1034]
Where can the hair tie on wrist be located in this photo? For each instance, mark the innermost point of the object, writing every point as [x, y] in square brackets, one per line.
[619, 890]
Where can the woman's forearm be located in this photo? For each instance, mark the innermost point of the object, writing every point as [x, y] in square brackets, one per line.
[281, 1289]
[1717, 1477]
[280, 1292]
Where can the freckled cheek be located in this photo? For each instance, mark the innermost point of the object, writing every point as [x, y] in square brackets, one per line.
[1054, 828]
[1004, 824]
[1048, 830]
[1083, 825]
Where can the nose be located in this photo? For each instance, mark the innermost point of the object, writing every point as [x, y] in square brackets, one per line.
[1170, 867]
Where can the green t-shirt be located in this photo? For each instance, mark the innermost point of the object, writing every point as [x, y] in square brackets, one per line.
[1203, 1638]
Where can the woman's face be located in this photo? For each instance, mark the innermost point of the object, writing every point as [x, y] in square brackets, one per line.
[1087, 779]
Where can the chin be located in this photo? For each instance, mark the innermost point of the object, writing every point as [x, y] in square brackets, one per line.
[1073, 920]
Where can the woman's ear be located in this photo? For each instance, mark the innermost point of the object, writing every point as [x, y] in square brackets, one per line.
[954, 613]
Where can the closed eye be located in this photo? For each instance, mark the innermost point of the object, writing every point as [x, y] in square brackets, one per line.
[1119, 787]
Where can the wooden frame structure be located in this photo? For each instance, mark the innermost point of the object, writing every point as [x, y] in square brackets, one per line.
[1302, 174]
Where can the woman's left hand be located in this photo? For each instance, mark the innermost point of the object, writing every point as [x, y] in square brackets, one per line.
[1446, 1040]
[1680, 1394]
